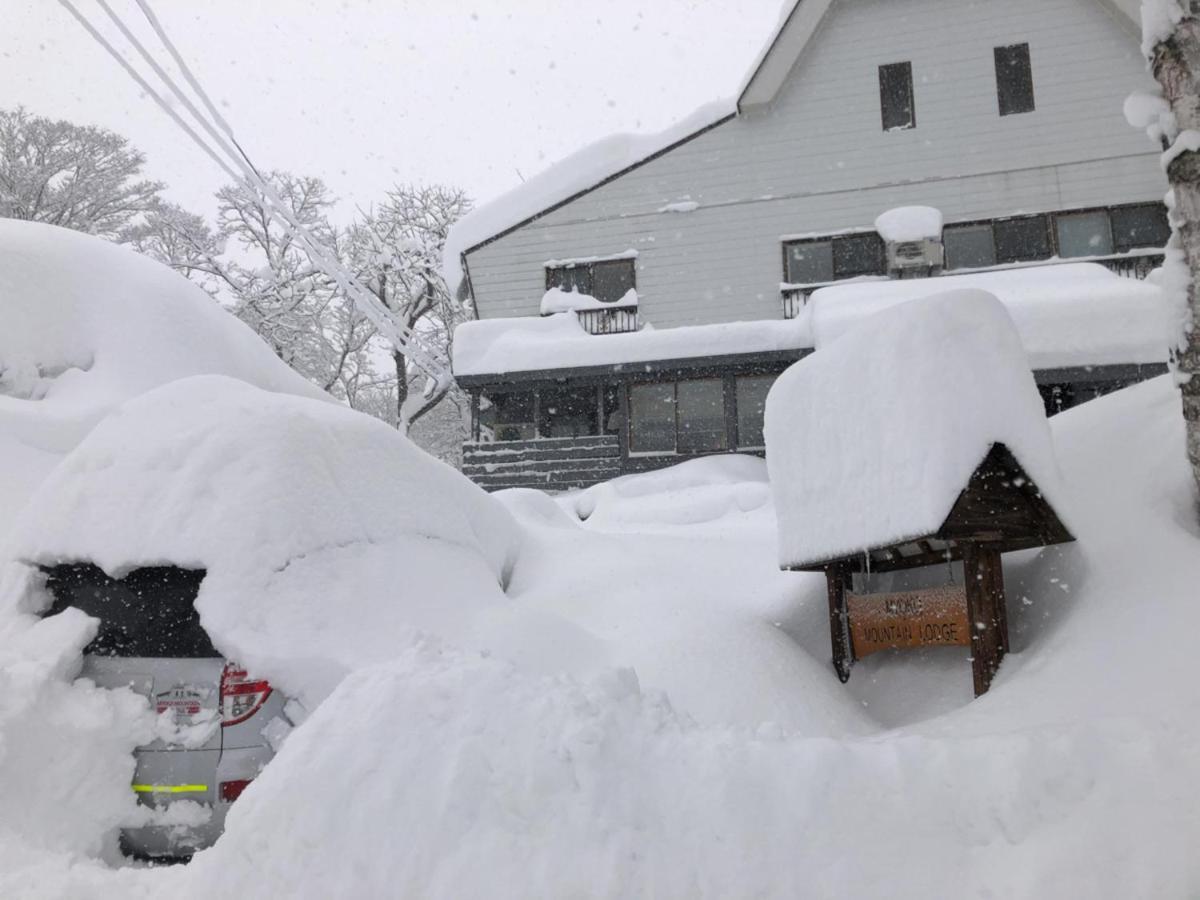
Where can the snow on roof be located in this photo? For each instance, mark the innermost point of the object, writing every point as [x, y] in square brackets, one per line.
[871, 439]
[86, 324]
[527, 344]
[1073, 314]
[581, 171]
[326, 534]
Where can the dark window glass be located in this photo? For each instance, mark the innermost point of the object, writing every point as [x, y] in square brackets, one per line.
[577, 279]
[652, 418]
[858, 254]
[612, 280]
[1014, 79]
[567, 412]
[1140, 226]
[1057, 397]
[700, 411]
[510, 416]
[612, 409]
[969, 246]
[810, 262]
[1019, 240]
[1083, 234]
[150, 612]
[896, 96]
[751, 408]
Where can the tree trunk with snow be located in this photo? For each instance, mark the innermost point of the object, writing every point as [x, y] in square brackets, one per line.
[1175, 62]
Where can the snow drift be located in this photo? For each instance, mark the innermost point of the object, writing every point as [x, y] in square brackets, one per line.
[326, 535]
[871, 439]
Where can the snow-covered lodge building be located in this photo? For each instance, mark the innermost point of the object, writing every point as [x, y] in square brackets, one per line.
[636, 301]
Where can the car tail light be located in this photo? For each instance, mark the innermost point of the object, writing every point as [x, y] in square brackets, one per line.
[231, 790]
[241, 696]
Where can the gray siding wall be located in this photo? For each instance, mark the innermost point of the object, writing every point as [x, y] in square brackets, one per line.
[818, 160]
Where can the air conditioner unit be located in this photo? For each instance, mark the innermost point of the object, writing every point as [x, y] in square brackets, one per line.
[907, 258]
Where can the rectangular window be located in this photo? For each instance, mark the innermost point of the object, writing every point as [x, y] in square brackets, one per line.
[810, 262]
[1014, 79]
[510, 416]
[607, 280]
[700, 415]
[969, 246]
[1140, 226]
[567, 412]
[858, 254]
[652, 418]
[1083, 234]
[896, 96]
[1021, 240]
[751, 409]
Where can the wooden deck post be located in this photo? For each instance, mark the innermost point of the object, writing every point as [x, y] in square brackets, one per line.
[836, 578]
[987, 616]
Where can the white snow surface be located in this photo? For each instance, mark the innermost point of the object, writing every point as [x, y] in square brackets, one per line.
[85, 325]
[527, 343]
[1068, 314]
[909, 223]
[556, 300]
[327, 536]
[581, 170]
[871, 439]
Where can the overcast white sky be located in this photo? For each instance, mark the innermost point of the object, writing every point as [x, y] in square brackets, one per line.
[367, 93]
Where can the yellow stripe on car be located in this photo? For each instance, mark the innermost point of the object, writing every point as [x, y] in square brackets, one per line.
[170, 788]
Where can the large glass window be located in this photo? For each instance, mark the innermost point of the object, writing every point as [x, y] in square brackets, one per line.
[896, 96]
[510, 416]
[969, 246]
[1084, 234]
[567, 412]
[751, 409]
[607, 280]
[652, 418]
[810, 262]
[1014, 79]
[1021, 240]
[1140, 226]
[700, 415]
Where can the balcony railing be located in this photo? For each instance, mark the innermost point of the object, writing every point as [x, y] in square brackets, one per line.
[609, 321]
[1138, 266]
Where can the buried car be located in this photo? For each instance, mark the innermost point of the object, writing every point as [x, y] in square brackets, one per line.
[216, 723]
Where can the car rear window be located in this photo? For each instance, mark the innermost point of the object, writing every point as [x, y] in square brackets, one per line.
[150, 612]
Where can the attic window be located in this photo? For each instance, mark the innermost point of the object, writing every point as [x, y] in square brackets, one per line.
[606, 280]
[1014, 79]
[896, 96]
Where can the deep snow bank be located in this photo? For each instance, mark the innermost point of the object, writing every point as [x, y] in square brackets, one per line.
[86, 324]
[327, 536]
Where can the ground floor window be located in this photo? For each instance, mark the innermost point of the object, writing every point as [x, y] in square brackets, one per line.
[751, 409]
[549, 411]
[510, 416]
[568, 412]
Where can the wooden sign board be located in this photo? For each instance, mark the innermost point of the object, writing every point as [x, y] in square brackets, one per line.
[934, 617]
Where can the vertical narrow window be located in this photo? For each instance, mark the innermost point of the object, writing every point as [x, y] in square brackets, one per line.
[652, 418]
[751, 408]
[700, 411]
[1014, 79]
[896, 96]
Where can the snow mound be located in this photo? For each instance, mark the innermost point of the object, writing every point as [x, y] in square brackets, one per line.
[909, 223]
[326, 535]
[871, 439]
[85, 325]
[1071, 314]
[581, 170]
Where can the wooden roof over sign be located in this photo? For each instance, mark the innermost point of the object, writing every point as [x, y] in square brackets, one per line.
[1000, 509]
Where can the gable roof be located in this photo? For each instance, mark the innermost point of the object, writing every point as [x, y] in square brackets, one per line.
[797, 27]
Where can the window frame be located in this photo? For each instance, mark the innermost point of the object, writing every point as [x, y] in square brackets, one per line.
[590, 269]
[905, 70]
[833, 240]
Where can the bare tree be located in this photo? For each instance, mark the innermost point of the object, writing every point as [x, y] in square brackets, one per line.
[396, 250]
[1172, 40]
[181, 240]
[70, 175]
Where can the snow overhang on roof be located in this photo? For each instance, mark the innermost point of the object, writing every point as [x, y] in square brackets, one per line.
[800, 22]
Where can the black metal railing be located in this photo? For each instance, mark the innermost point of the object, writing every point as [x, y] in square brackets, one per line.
[609, 321]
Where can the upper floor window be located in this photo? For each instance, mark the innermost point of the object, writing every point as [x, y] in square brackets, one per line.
[1084, 233]
[1023, 239]
[829, 259]
[606, 280]
[969, 246]
[1140, 226]
[1014, 79]
[896, 96]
